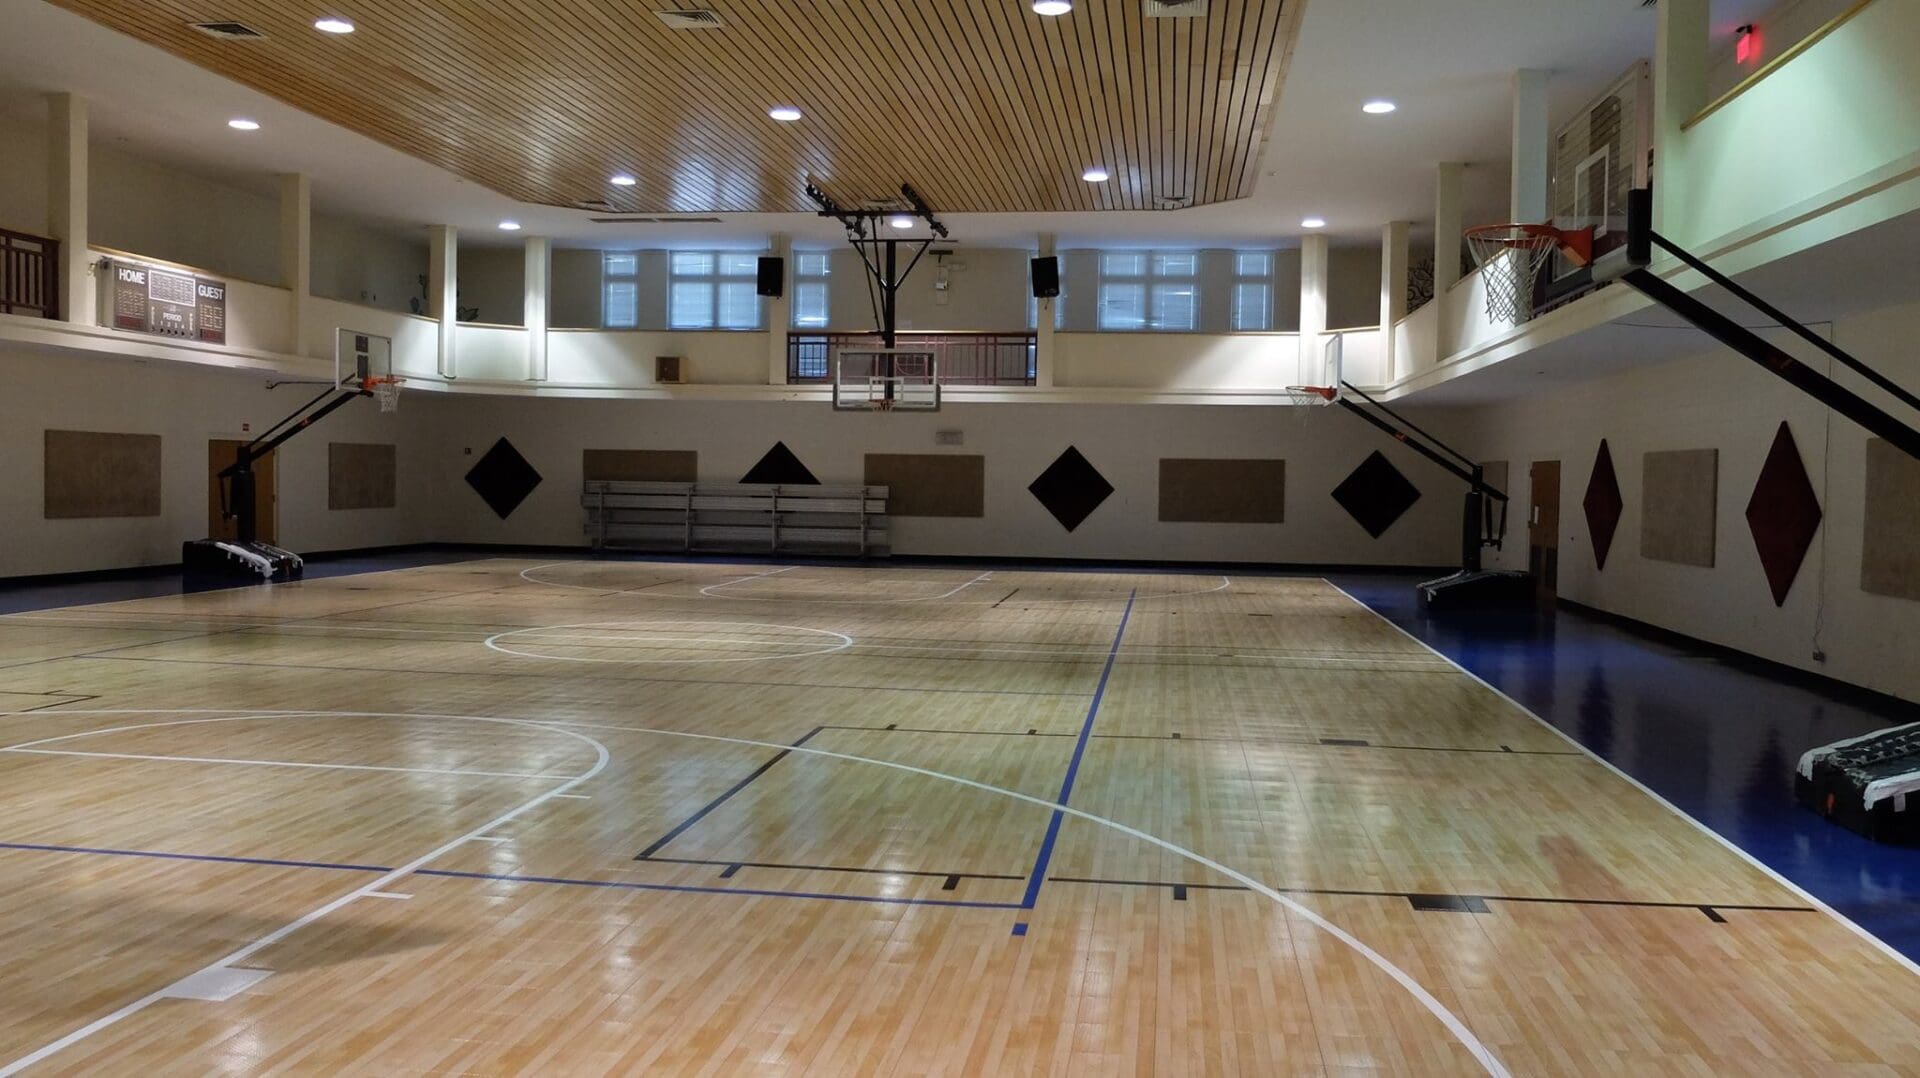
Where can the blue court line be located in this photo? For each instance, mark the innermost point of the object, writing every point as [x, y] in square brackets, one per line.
[1073, 766]
[678, 888]
[215, 858]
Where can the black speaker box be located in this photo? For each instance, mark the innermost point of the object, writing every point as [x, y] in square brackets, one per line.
[773, 276]
[1046, 277]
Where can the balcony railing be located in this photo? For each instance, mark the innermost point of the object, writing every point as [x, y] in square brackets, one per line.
[29, 274]
[966, 359]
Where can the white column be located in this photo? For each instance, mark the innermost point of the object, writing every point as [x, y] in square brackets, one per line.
[1448, 225]
[538, 300]
[1679, 91]
[67, 204]
[1528, 197]
[779, 312]
[296, 254]
[1043, 353]
[1393, 291]
[443, 290]
[1313, 307]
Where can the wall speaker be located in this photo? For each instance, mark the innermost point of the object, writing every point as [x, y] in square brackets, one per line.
[1046, 277]
[773, 276]
[669, 370]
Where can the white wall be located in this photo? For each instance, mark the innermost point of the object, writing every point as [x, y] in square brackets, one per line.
[493, 279]
[575, 283]
[367, 266]
[1725, 402]
[186, 406]
[987, 290]
[1125, 442]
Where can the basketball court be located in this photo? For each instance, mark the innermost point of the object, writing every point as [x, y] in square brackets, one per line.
[1342, 538]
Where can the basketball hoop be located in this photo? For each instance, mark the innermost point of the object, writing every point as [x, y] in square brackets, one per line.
[386, 392]
[1312, 396]
[1510, 258]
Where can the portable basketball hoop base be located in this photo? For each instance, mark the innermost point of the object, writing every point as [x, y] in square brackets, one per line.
[1511, 256]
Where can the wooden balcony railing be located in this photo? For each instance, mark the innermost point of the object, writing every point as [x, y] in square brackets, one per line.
[29, 274]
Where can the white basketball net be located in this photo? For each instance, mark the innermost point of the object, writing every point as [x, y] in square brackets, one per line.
[387, 394]
[1510, 258]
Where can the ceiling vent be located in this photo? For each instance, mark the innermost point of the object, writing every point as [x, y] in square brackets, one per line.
[638, 219]
[1174, 9]
[231, 31]
[597, 205]
[691, 18]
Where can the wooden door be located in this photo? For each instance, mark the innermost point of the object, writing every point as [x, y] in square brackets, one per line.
[220, 453]
[1543, 526]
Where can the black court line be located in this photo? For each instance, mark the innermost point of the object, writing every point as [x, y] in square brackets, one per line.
[1005, 597]
[799, 867]
[681, 829]
[1324, 742]
[1429, 900]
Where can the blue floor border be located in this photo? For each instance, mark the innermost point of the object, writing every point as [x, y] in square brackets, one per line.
[1716, 737]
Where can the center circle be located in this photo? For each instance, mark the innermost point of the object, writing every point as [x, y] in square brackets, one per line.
[669, 642]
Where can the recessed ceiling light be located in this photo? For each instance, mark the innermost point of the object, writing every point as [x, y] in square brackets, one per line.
[621, 179]
[1096, 174]
[900, 220]
[786, 114]
[1378, 108]
[1314, 222]
[1052, 7]
[509, 226]
[244, 125]
[333, 26]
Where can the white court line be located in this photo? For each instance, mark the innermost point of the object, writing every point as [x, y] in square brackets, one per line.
[271, 938]
[856, 602]
[281, 763]
[711, 588]
[1488, 1061]
[496, 839]
[494, 642]
[527, 575]
[389, 894]
[1875, 941]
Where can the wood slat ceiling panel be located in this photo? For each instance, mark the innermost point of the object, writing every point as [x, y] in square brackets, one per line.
[980, 104]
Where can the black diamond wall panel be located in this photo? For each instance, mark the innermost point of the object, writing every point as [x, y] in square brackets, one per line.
[1376, 494]
[503, 478]
[1603, 504]
[1783, 514]
[1071, 489]
[780, 466]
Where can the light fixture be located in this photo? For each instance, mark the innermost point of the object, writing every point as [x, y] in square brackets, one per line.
[1096, 174]
[1378, 108]
[509, 226]
[900, 220]
[1314, 222]
[244, 125]
[1052, 7]
[786, 114]
[621, 179]
[333, 26]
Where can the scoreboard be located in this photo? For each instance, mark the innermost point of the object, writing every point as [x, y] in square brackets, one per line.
[167, 303]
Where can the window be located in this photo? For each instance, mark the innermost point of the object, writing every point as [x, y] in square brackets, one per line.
[810, 309]
[620, 291]
[712, 290]
[1149, 290]
[1252, 291]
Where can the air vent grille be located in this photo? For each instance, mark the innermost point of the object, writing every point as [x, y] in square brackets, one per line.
[690, 19]
[231, 31]
[637, 220]
[1174, 9]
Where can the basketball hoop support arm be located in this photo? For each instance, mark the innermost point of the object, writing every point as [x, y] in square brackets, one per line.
[1478, 527]
[1639, 252]
[237, 501]
[883, 260]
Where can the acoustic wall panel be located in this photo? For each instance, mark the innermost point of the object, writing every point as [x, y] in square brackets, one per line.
[1223, 491]
[780, 466]
[1679, 492]
[362, 476]
[90, 474]
[1783, 515]
[930, 484]
[1890, 549]
[1603, 504]
[639, 465]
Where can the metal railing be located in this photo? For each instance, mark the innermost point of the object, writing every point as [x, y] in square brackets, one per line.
[966, 359]
[29, 274]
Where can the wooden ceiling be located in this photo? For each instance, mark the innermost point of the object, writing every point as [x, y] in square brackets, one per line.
[980, 104]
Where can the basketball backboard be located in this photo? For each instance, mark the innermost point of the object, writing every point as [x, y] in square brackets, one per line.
[886, 380]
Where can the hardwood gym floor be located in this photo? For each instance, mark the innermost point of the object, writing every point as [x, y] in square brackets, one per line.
[642, 817]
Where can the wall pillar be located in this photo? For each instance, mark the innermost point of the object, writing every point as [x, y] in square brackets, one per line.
[1394, 263]
[1313, 308]
[1680, 68]
[538, 300]
[1528, 199]
[779, 311]
[67, 204]
[1043, 322]
[443, 291]
[1449, 223]
[296, 254]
